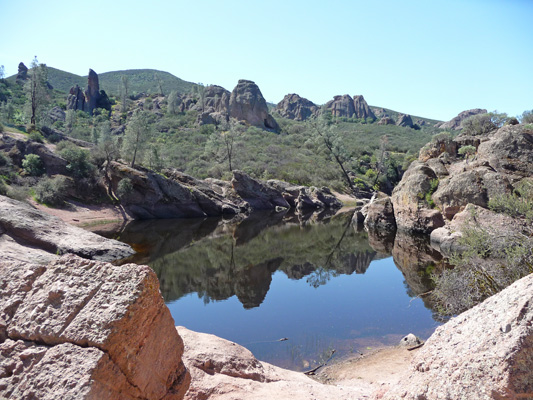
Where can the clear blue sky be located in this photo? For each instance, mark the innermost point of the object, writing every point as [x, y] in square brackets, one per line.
[428, 58]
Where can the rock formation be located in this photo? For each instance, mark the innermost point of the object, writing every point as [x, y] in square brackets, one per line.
[80, 329]
[455, 123]
[224, 370]
[179, 195]
[386, 121]
[341, 106]
[442, 182]
[346, 106]
[57, 114]
[91, 99]
[362, 110]
[22, 74]
[484, 353]
[248, 104]
[295, 107]
[27, 234]
[405, 120]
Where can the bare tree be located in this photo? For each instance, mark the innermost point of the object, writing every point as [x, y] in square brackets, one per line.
[36, 90]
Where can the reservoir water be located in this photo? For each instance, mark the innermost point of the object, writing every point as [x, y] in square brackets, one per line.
[288, 288]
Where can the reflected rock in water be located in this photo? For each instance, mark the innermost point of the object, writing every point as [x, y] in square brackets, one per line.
[381, 241]
[415, 257]
[219, 259]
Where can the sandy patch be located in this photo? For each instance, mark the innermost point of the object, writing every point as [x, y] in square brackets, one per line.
[88, 216]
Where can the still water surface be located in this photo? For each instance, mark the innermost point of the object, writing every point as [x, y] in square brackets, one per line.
[320, 284]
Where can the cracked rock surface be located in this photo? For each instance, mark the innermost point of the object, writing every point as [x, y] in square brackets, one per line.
[81, 329]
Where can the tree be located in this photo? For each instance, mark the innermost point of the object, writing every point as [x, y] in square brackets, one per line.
[331, 140]
[173, 103]
[2, 72]
[36, 90]
[223, 141]
[124, 88]
[199, 89]
[159, 83]
[137, 136]
[105, 151]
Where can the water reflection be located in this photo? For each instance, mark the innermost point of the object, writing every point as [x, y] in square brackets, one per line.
[219, 259]
[320, 280]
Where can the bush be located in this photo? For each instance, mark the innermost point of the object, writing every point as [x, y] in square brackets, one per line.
[51, 191]
[466, 150]
[481, 124]
[35, 136]
[3, 187]
[33, 165]
[518, 204]
[78, 165]
[124, 188]
[1, 127]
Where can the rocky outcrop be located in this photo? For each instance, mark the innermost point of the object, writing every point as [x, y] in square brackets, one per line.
[362, 110]
[17, 149]
[346, 106]
[405, 120]
[24, 227]
[341, 106]
[380, 215]
[386, 121]
[411, 210]
[92, 98]
[455, 123]
[295, 107]
[503, 158]
[484, 353]
[248, 104]
[178, 195]
[224, 370]
[56, 114]
[75, 99]
[79, 329]
[22, 74]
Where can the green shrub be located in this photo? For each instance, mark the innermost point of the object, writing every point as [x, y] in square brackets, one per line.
[33, 165]
[51, 191]
[3, 187]
[78, 165]
[35, 136]
[1, 127]
[517, 204]
[466, 150]
[124, 188]
[527, 117]
[5, 161]
[478, 125]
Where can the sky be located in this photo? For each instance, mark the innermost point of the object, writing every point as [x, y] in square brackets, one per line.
[429, 58]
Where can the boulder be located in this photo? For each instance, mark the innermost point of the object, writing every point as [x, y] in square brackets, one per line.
[56, 114]
[248, 104]
[455, 123]
[341, 106]
[80, 329]
[91, 99]
[255, 194]
[405, 120]
[484, 353]
[411, 211]
[380, 215]
[224, 370]
[305, 198]
[362, 110]
[217, 99]
[22, 225]
[297, 108]
[386, 121]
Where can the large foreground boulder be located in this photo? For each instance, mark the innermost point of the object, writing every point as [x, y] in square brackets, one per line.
[80, 329]
[28, 234]
[484, 353]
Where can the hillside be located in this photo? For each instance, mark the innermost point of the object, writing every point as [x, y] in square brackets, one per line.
[140, 81]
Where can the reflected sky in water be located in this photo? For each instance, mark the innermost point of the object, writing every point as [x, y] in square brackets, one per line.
[321, 284]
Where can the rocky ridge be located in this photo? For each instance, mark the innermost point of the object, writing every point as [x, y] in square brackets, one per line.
[346, 106]
[175, 195]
